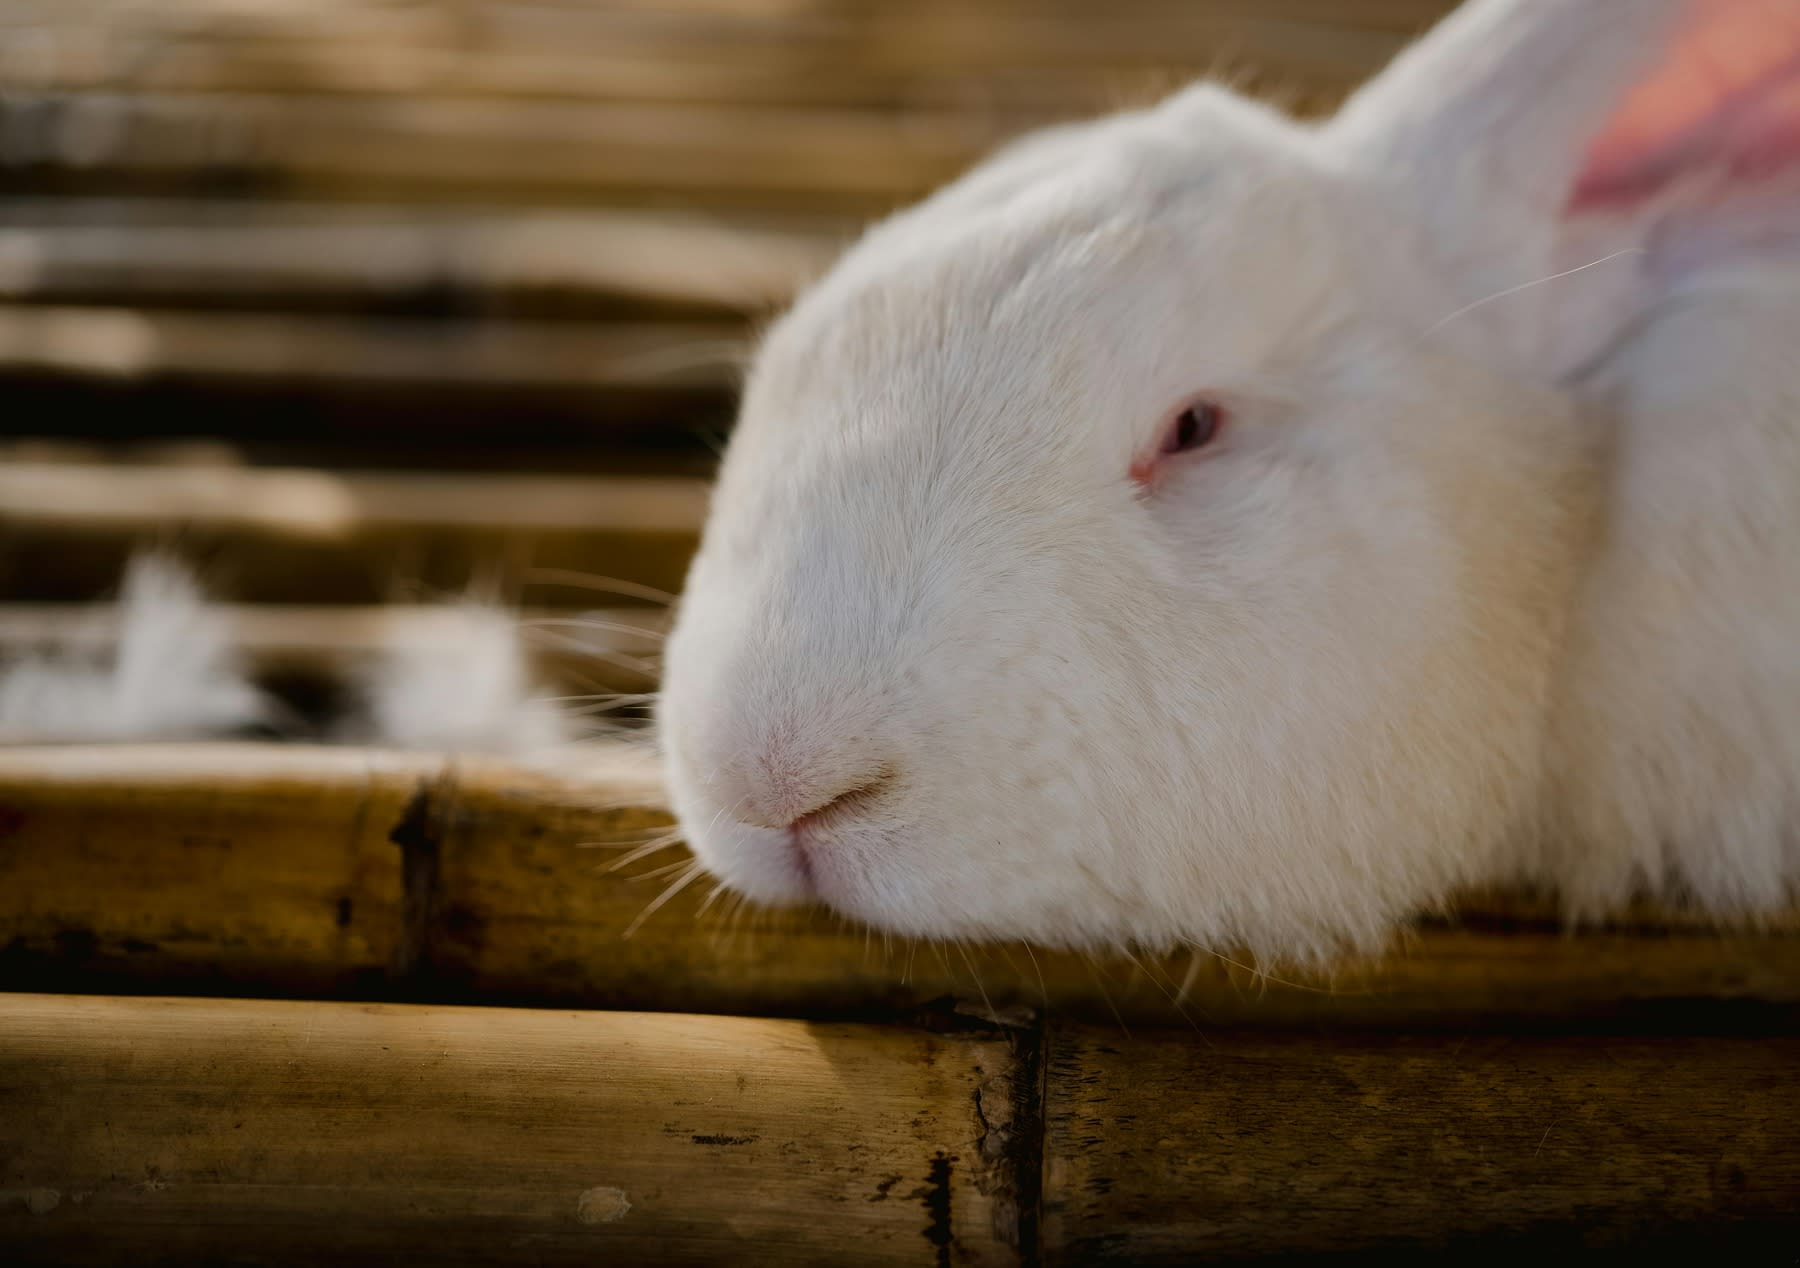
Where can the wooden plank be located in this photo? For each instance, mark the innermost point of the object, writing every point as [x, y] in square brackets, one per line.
[331, 505]
[612, 648]
[269, 535]
[253, 868]
[166, 1131]
[507, 898]
[476, 150]
[1166, 1149]
[299, 889]
[135, 343]
[858, 106]
[842, 53]
[591, 262]
[496, 429]
[178, 1131]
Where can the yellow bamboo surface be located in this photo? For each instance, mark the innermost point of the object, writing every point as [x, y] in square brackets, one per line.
[165, 1131]
[293, 870]
[1439, 1148]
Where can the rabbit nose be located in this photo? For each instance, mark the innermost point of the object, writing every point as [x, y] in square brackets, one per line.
[781, 797]
[841, 803]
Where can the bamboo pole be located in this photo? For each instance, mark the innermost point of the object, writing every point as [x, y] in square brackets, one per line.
[179, 1131]
[310, 536]
[615, 649]
[160, 1131]
[597, 262]
[127, 343]
[1409, 1148]
[845, 105]
[839, 53]
[480, 150]
[336, 504]
[286, 870]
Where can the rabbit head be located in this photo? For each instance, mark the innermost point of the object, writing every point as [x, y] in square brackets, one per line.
[1154, 536]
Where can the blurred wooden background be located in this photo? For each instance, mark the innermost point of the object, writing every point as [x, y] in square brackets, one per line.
[487, 235]
[367, 301]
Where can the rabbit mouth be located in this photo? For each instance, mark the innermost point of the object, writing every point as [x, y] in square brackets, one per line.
[811, 858]
[766, 865]
[825, 856]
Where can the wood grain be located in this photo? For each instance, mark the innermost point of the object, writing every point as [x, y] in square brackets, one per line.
[140, 865]
[1166, 1149]
[165, 1131]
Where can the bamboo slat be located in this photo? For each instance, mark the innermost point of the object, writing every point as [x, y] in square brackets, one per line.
[166, 1131]
[847, 105]
[337, 504]
[1407, 1148]
[467, 149]
[179, 1131]
[131, 343]
[844, 53]
[257, 119]
[303, 535]
[141, 865]
[612, 648]
[293, 890]
[319, 255]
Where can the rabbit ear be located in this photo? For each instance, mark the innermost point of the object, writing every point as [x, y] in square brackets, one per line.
[1537, 137]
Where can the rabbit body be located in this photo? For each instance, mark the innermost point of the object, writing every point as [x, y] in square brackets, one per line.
[1485, 576]
[1674, 749]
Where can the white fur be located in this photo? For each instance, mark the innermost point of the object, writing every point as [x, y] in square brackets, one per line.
[467, 688]
[172, 673]
[1472, 589]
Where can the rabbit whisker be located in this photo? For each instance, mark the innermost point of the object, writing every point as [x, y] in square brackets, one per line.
[694, 871]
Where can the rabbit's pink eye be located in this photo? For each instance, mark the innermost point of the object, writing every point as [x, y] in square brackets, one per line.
[1193, 428]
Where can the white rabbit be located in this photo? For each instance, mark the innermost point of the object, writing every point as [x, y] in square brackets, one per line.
[1195, 526]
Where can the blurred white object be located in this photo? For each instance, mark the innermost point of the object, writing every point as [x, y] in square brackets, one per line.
[173, 672]
[467, 689]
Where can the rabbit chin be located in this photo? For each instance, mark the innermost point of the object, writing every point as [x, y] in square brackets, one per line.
[899, 866]
[762, 864]
[840, 868]
[855, 865]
